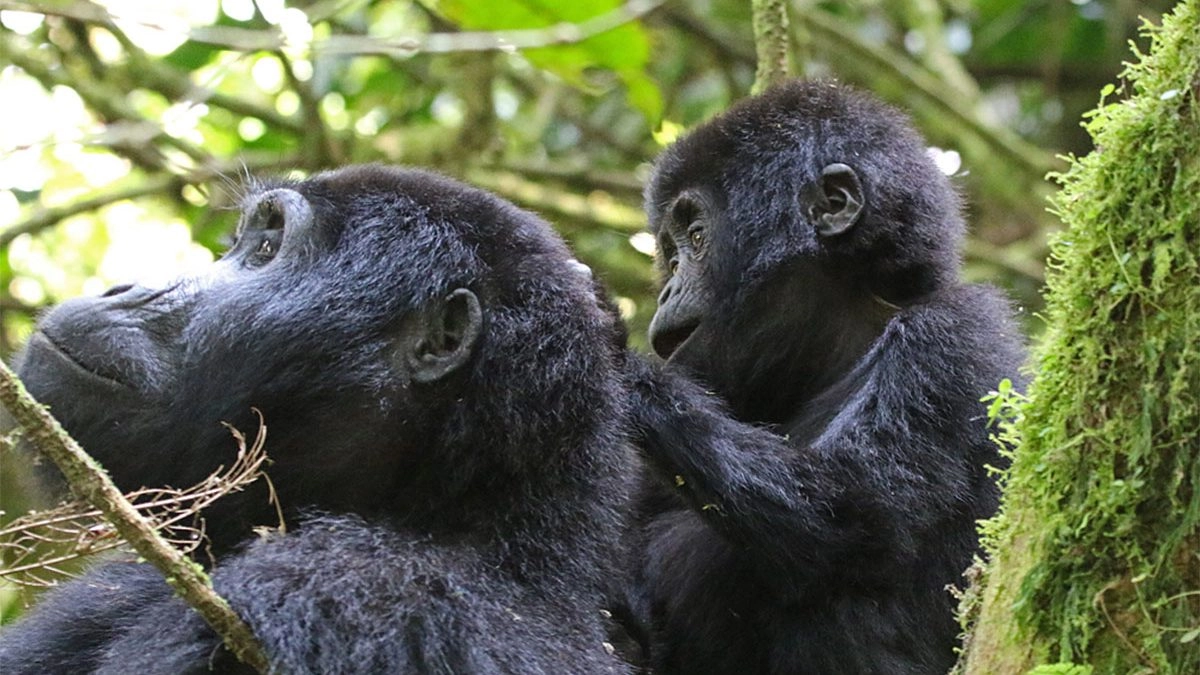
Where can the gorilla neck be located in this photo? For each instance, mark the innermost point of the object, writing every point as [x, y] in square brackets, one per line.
[831, 327]
[530, 525]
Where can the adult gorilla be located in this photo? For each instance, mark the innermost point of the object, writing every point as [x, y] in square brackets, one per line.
[810, 254]
[442, 387]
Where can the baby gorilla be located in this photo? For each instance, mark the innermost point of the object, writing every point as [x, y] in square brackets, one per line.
[809, 516]
[443, 392]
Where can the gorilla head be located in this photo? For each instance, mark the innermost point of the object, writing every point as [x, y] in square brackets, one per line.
[789, 228]
[413, 344]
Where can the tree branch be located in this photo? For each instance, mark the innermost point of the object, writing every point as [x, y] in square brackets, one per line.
[45, 217]
[577, 177]
[90, 483]
[155, 184]
[249, 40]
[770, 43]
[608, 213]
[926, 18]
[112, 108]
[176, 85]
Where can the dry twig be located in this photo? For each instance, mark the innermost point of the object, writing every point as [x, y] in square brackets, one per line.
[35, 548]
[89, 481]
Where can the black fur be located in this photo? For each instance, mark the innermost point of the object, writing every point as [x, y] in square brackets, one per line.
[828, 474]
[453, 481]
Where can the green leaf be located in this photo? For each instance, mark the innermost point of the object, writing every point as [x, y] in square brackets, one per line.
[625, 50]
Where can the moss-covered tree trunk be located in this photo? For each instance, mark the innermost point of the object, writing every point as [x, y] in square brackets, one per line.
[1096, 554]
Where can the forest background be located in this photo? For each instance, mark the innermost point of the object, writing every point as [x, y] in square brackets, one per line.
[127, 127]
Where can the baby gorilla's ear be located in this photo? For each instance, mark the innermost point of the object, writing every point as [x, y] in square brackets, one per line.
[446, 337]
[837, 201]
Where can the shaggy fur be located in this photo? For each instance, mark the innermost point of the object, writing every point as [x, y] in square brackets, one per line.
[819, 490]
[459, 521]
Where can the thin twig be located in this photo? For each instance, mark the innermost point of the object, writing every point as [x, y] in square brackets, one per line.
[33, 545]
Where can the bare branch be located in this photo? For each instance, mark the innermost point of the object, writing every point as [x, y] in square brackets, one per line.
[271, 40]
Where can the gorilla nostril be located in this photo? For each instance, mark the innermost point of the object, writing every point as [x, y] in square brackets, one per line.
[665, 295]
[116, 290]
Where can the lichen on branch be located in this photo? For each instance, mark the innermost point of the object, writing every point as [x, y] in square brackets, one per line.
[770, 43]
[89, 482]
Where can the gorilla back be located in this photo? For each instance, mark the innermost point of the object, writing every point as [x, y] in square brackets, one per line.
[440, 380]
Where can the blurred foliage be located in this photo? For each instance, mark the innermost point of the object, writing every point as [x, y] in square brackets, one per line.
[135, 123]
[127, 127]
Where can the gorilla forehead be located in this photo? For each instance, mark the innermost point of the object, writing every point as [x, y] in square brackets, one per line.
[787, 135]
[374, 200]
[422, 233]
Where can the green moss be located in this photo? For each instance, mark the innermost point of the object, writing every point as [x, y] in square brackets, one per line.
[1097, 549]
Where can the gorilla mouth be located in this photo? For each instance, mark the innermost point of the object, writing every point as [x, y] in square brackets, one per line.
[53, 346]
[666, 342]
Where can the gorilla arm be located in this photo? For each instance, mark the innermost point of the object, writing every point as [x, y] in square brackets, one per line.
[871, 486]
[74, 623]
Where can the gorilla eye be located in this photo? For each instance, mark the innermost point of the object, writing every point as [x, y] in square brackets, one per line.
[265, 249]
[274, 218]
[696, 238]
[673, 266]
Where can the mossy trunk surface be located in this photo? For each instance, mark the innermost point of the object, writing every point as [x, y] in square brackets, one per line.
[1095, 556]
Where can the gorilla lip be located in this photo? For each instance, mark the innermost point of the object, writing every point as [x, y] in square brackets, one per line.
[54, 347]
[667, 342]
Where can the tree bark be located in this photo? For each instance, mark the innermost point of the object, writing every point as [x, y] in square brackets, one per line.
[1095, 556]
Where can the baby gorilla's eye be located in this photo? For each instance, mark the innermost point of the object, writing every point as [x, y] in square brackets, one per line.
[696, 237]
[265, 249]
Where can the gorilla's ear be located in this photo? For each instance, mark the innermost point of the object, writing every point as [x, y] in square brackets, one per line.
[837, 202]
[450, 331]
